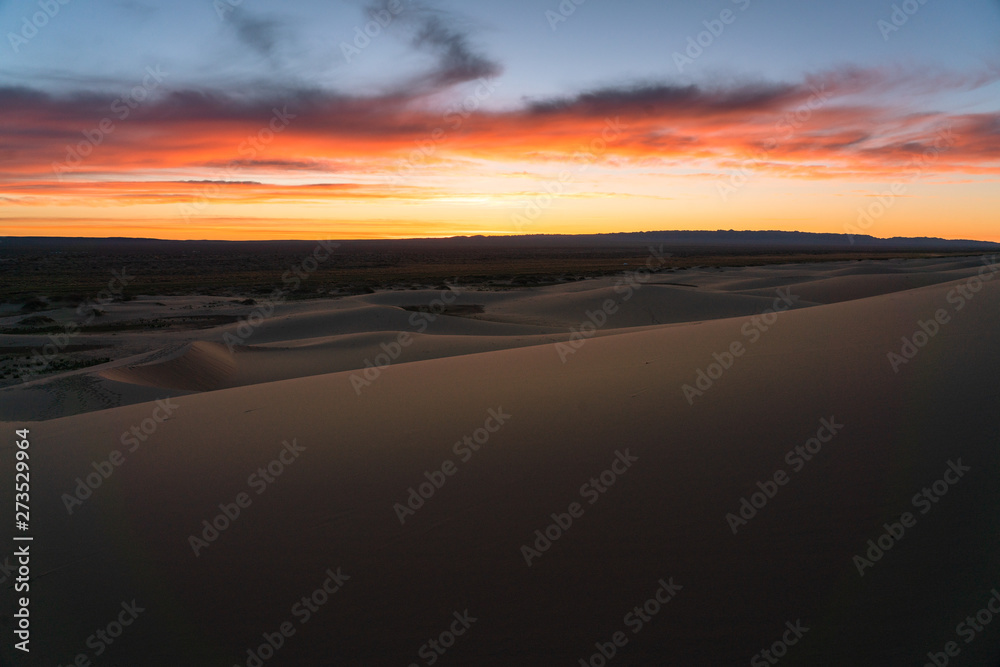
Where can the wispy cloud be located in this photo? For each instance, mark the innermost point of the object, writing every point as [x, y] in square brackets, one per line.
[445, 35]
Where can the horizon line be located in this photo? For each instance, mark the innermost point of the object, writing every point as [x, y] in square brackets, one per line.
[501, 236]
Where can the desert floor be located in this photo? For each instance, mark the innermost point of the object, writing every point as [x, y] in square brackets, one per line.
[728, 440]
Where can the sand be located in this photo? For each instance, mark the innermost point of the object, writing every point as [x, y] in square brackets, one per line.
[564, 410]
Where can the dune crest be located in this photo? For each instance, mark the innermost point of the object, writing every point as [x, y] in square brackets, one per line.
[199, 366]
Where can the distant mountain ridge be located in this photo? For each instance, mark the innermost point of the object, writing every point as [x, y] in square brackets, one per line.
[720, 240]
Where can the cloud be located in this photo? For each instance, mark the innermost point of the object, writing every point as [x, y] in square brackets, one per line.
[658, 99]
[444, 35]
[208, 180]
[43, 193]
[839, 124]
[309, 165]
[260, 35]
[457, 61]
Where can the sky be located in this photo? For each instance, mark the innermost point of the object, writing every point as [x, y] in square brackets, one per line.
[259, 119]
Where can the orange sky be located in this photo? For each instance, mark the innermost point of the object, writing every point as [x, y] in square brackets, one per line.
[809, 156]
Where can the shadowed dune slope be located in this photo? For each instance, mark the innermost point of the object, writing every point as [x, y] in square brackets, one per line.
[661, 517]
[631, 305]
[199, 366]
[211, 366]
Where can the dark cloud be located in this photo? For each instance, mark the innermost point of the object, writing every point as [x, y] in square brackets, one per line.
[457, 60]
[221, 182]
[260, 35]
[391, 113]
[324, 166]
[444, 35]
[21, 97]
[657, 99]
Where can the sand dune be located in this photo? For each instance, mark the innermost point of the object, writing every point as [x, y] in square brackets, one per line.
[199, 366]
[679, 463]
[350, 333]
[367, 318]
[205, 366]
[638, 305]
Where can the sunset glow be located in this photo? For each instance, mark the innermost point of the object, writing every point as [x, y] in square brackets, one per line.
[455, 141]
